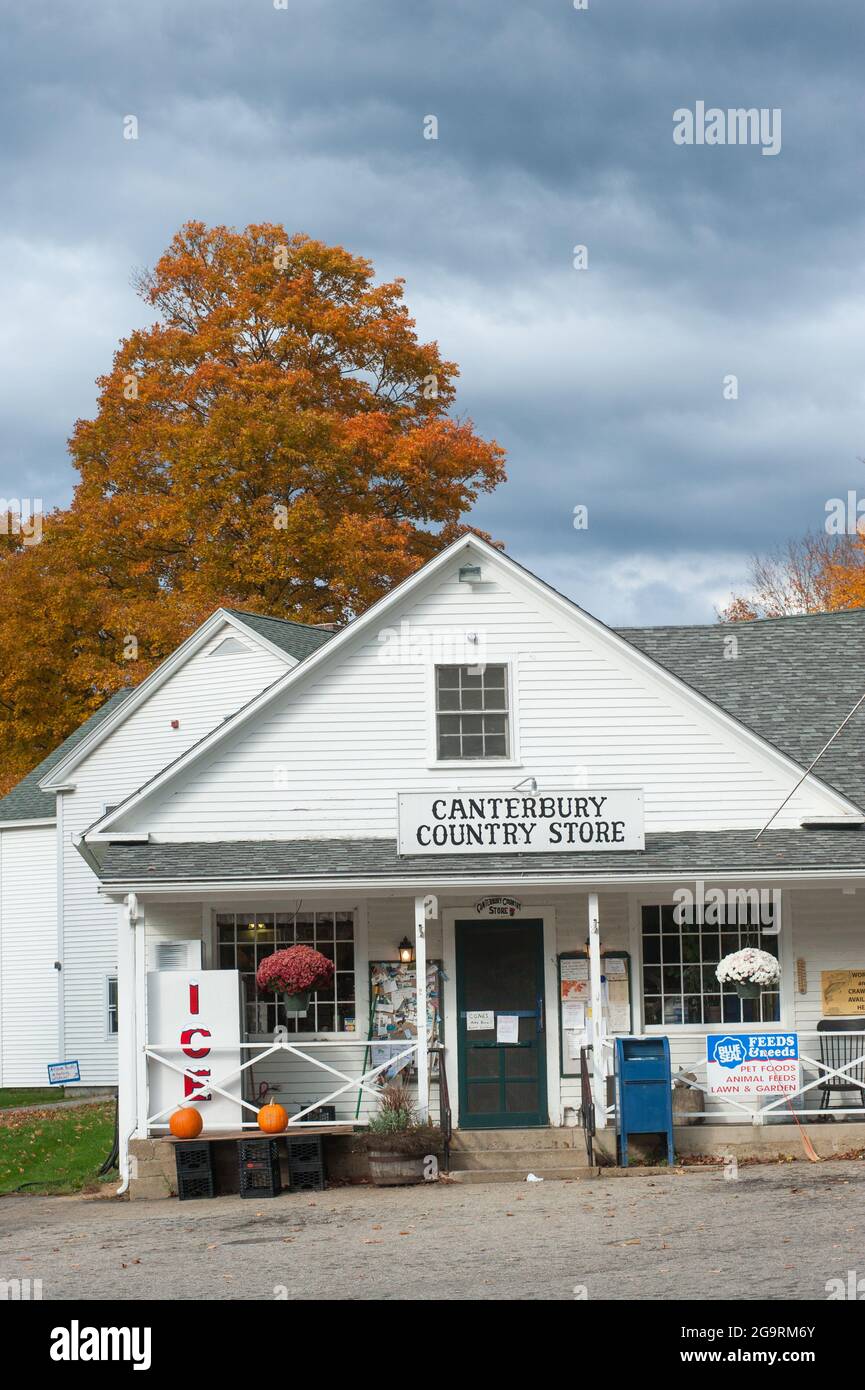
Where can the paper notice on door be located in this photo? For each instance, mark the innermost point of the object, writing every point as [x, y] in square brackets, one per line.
[477, 1020]
[614, 968]
[507, 1028]
[574, 1041]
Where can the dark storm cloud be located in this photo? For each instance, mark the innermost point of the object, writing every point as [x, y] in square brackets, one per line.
[555, 128]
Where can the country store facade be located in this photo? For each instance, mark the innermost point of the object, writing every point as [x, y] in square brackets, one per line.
[558, 827]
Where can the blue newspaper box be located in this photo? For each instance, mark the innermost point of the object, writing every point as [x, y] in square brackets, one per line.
[644, 1095]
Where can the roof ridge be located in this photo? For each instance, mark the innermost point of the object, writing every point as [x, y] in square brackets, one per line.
[742, 622]
[270, 618]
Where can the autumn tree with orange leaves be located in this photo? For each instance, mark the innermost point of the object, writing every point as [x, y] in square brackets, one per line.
[278, 440]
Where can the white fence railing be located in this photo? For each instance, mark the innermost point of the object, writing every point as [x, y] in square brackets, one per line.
[816, 1071]
[401, 1053]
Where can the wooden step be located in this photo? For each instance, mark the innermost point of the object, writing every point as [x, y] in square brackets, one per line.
[504, 1140]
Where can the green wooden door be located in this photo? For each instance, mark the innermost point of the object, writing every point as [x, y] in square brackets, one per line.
[500, 971]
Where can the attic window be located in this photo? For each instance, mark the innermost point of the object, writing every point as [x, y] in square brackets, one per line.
[230, 646]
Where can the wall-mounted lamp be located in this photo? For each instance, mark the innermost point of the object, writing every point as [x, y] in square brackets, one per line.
[470, 574]
[406, 951]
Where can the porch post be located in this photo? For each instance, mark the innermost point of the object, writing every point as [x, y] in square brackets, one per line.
[420, 994]
[599, 1075]
[126, 1068]
[142, 1096]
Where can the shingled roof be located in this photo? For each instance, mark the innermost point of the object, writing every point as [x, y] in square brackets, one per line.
[793, 681]
[666, 855]
[299, 640]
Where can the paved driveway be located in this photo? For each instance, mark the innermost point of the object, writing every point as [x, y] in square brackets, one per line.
[778, 1232]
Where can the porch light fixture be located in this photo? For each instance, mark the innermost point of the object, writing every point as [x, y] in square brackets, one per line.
[406, 951]
[470, 574]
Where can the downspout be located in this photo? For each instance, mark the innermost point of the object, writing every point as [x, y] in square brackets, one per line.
[127, 1075]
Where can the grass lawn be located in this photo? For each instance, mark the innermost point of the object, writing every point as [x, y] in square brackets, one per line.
[56, 1150]
[33, 1095]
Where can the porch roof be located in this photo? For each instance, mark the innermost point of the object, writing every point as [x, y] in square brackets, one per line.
[689, 855]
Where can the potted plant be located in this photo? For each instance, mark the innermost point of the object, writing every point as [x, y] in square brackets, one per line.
[295, 973]
[398, 1147]
[750, 971]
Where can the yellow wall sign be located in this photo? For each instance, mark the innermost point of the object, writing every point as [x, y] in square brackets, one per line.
[843, 992]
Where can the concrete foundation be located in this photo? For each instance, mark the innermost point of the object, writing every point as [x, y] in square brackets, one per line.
[744, 1141]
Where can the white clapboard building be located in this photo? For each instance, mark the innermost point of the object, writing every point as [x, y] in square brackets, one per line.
[560, 824]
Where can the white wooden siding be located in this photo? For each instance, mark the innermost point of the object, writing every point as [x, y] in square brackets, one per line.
[328, 760]
[29, 984]
[212, 685]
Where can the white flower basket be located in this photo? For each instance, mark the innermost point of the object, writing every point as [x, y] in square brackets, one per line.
[750, 971]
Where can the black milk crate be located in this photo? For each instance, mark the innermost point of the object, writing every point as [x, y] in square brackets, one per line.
[306, 1164]
[194, 1171]
[319, 1115]
[259, 1167]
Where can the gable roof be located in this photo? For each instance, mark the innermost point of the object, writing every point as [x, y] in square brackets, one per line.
[101, 829]
[28, 801]
[793, 682]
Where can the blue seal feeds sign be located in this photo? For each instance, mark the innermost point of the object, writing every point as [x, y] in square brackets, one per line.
[752, 1064]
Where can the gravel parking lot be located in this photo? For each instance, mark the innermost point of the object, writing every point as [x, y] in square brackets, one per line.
[778, 1232]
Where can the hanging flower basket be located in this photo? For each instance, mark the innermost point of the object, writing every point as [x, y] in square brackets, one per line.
[750, 971]
[295, 973]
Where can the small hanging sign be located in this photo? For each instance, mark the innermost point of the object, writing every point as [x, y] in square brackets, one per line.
[498, 907]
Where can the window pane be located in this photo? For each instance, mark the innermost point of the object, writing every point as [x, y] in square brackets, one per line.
[672, 1010]
[449, 747]
[652, 1008]
[473, 746]
[449, 699]
[448, 677]
[495, 746]
[651, 949]
[693, 1009]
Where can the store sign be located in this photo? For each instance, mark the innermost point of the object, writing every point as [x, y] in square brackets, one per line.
[197, 1015]
[740, 1065]
[842, 993]
[520, 822]
[498, 907]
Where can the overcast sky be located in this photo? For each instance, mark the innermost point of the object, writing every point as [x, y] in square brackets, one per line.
[555, 128]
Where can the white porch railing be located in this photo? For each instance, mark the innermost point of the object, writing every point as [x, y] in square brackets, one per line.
[401, 1052]
[755, 1111]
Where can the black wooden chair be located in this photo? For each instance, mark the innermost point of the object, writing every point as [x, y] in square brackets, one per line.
[840, 1052]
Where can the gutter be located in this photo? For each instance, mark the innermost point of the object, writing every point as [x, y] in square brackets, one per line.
[413, 886]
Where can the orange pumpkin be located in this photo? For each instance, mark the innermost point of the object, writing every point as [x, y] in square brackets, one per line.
[272, 1118]
[186, 1123]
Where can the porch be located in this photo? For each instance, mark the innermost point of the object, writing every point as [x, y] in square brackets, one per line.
[332, 1063]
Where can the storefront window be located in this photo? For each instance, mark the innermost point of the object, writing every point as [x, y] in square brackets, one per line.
[245, 938]
[679, 960]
